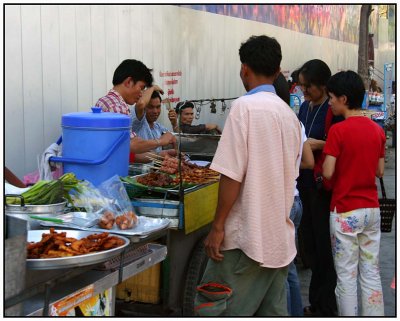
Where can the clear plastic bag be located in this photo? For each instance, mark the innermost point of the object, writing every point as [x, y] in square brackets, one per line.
[109, 201]
[90, 198]
[120, 205]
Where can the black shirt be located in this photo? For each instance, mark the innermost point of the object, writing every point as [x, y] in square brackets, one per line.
[191, 129]
[314, 124]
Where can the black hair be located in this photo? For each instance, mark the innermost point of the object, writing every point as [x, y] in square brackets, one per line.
[315, 72]
[349, 84]
[135, 69]
[262, 54]
[282, 88]
[183, 105]
[156, 94]
[295, 76]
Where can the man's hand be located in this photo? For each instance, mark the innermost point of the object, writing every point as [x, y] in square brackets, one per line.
[173, 118]
[210, 127]
[145, 99]
[157, 88]
[170, 152]
[213, 242]
[167, 139]
[228, 193]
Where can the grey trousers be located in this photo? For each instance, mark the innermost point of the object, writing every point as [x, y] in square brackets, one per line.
[256, 290]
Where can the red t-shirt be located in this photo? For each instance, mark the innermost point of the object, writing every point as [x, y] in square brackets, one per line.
[357, 143]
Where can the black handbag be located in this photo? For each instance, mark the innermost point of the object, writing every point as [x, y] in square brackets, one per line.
[388, 209]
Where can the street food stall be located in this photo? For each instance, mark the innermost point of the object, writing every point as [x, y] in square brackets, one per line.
[172, 222]
[82, 284]
[190, 207]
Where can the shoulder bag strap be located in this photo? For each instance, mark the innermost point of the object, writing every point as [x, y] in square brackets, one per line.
[382, 188]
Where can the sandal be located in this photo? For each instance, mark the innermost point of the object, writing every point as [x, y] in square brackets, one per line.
[308, 311]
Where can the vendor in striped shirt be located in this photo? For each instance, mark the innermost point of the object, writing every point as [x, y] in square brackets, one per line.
[130, 80]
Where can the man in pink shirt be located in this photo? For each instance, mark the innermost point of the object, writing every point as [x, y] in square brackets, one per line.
[251, 241]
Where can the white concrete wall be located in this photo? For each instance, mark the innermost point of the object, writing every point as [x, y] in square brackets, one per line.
[61, 58]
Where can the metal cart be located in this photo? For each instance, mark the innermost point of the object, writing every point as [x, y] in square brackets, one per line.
[193, 211]
[41, 293]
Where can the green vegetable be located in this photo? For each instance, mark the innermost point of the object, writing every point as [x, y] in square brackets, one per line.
[49, 192]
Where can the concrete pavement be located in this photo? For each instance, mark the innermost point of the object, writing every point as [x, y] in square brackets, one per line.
[388, 242]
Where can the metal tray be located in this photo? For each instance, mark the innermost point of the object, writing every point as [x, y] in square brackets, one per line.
[172, 190]
[71, 261]
[145, 226]
[35, 209]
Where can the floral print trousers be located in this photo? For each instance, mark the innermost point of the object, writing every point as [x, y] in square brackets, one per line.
[355, 240]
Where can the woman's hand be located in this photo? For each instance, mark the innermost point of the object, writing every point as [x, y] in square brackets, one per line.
[316, 144]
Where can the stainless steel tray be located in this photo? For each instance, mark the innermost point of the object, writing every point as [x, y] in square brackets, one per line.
[145, 226]
[71, 261]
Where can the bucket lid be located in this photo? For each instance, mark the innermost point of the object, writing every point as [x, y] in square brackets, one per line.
[96, 119]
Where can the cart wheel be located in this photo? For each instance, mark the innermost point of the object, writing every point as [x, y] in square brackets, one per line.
[197, 265]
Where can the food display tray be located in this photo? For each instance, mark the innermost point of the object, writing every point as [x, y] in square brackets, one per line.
[71, 261]
[145, 226]
[136, 189]
[156, 207]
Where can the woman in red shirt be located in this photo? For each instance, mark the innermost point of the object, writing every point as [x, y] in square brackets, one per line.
[354, 157]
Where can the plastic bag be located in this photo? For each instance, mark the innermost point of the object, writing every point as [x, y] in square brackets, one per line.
[120, 206]
[109, 202]
[90, 198]
[32, 178]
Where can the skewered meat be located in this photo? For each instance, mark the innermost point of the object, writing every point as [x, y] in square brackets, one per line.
[155, 179]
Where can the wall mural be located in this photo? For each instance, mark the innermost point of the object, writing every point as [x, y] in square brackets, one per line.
[338, 22]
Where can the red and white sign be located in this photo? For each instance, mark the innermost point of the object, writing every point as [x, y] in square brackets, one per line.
[170, 82]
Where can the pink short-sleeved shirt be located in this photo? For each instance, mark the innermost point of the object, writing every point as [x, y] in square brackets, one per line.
[259, 147]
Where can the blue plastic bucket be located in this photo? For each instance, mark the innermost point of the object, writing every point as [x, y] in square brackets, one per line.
[95, 145]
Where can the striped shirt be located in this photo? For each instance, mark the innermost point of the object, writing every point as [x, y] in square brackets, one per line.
[258, 148]
[113, 103]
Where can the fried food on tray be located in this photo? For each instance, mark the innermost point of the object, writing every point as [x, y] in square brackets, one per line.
[53, 245]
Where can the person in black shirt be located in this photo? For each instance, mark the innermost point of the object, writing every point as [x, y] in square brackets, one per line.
[313, 234]
[185, 112]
